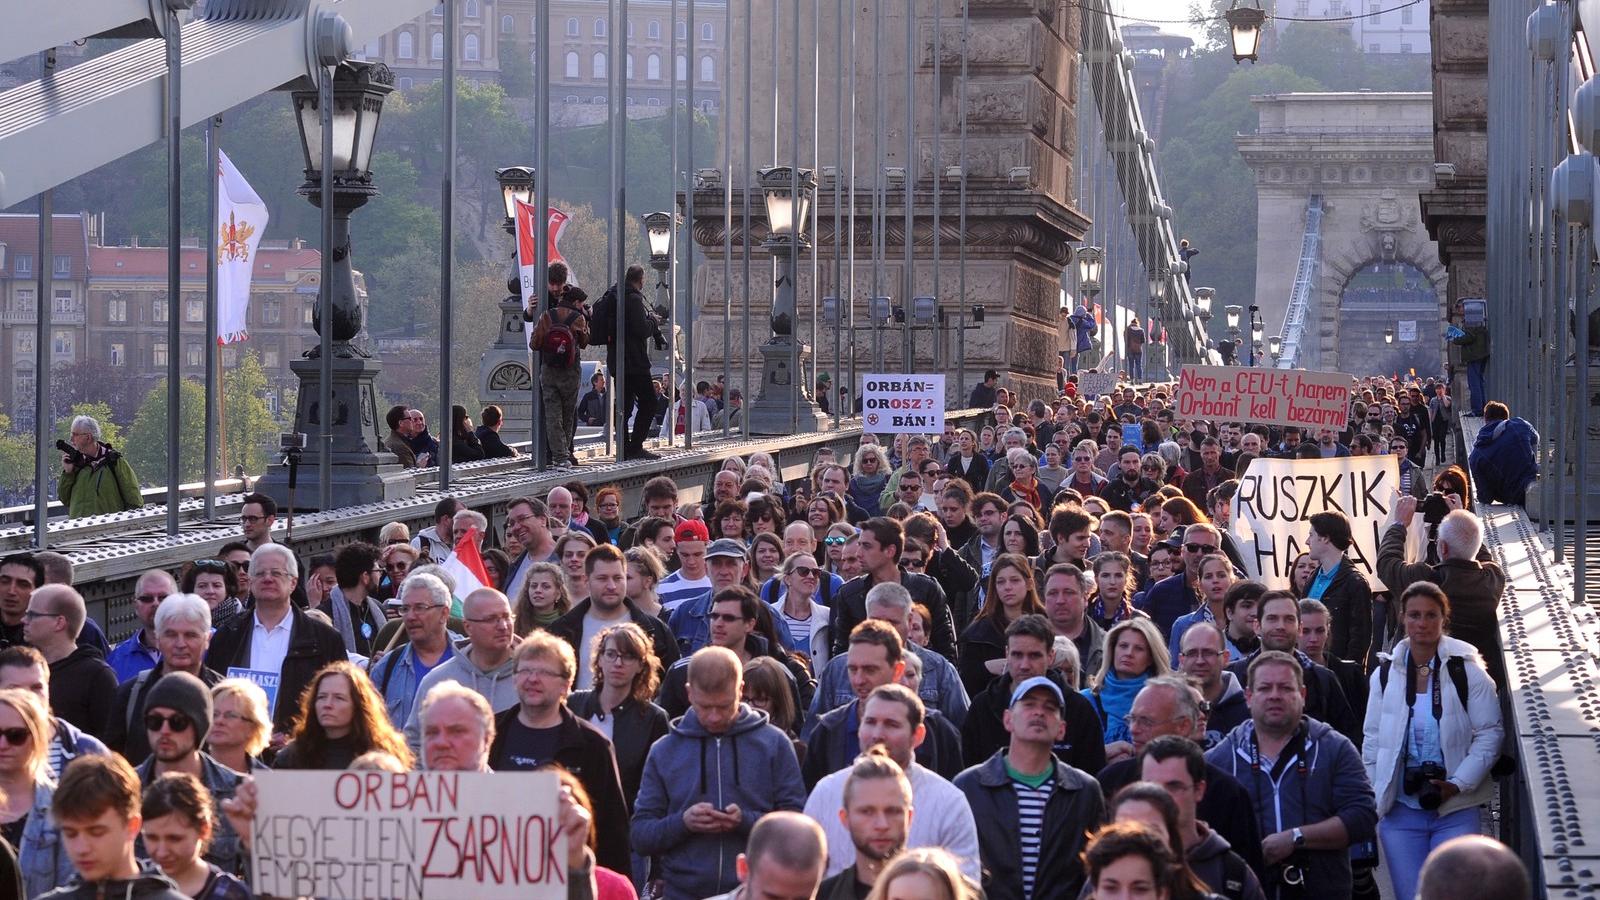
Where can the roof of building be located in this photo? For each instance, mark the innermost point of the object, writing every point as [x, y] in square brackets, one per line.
[150, 263]
[20, 234]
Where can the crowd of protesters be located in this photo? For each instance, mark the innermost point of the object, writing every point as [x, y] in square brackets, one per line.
[1023, 660]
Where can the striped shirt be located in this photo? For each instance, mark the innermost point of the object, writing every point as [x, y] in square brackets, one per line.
[1031, 801]
[675, 589]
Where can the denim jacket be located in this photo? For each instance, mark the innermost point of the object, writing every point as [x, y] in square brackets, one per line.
[225, 850]
[43, 854]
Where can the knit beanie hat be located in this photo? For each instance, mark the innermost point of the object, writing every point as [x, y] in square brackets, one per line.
[183, 693]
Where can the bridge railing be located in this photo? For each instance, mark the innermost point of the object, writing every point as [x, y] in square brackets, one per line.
[1305, 281]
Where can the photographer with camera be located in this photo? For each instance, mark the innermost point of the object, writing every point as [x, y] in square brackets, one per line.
[1474, 586]
[1432, 735]
[641, 327]
[95, 479]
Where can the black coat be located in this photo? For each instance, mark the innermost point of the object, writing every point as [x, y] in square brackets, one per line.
[570, 629]
[635, 725]
[585, 752]
[850, 609]
[639, 329]
[82, 687]
[124, 732]
[493, 446]
[940, 750]
[1075, 807]
[1226, 807]
[984, 732]
[975, 473]
[312, 645]
[1349, 602]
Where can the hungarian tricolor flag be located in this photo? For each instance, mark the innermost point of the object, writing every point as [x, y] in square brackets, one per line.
[465, 566]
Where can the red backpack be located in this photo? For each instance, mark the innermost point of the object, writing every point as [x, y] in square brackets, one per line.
[559, 339]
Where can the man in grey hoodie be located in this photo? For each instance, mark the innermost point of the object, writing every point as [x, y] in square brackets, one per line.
[1180, 767]
[485, 664]
[717, 771]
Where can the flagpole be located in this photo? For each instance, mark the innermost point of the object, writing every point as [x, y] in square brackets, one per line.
[213, 165]
[447, 256]
[540, 442]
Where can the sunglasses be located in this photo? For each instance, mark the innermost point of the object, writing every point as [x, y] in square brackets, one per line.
[16, 737]
[725, 617]
[805, 571]
[178, 721]
[1198, 548]
[835, 540]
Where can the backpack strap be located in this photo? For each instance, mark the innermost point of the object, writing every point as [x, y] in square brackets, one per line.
[1457, 667]
[1234, 875]
[134, 697]
[388, 673]
[1383, 676]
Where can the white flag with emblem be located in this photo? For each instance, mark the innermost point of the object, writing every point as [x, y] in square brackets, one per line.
[241, 220]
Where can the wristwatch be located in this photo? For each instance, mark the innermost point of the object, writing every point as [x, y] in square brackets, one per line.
[1299, 838]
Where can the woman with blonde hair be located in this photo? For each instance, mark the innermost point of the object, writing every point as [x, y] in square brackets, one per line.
[871, 474]
[26, 789]
[342, 716]
[622, 702]
[241, 724]
[1134, 653]
[543, 598]
[924, 873]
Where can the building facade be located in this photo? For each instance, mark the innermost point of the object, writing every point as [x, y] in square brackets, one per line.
[109, 306]
[1381, 29]
[490, 31]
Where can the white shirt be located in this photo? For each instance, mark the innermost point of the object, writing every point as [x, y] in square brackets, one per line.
[269, 646]
[942, 818]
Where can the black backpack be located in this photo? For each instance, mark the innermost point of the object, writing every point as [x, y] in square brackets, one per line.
[1455, 667]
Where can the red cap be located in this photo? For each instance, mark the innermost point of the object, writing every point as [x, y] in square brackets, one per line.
[691, 530]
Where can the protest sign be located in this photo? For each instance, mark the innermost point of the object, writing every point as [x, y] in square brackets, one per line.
[903, 404]
[1096, 383]
[266, 679]
[1268, 396]
[423, 835]
[1272, 510]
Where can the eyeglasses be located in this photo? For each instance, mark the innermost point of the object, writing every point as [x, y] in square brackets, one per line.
[273, 574]
[726, 618]
[178, 721]
[1199, 653]
[35, 614]
[1193, 547]
[417, 609]
[613, 656]
[1145, 721]
[915, 564]
[504, 617]
[230, 716]
[250, 520]
[148, 598]
[397, 566]
[543, 674]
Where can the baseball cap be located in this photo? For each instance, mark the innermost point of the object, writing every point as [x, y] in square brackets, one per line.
[690, 530]
[1037, 681]
[725, 547]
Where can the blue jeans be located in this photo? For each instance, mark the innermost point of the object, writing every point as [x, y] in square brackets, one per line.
[1409, 835]
[1477, 393]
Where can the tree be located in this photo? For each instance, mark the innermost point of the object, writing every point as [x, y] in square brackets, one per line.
[516, 70]
[147, 438]
[92, 380]
[249, 430]
[16, 465]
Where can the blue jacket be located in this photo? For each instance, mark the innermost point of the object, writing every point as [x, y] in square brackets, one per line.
[131, 657]
[1168, 600]
[1083, 327]
[1502, 461]
[396, 680]
[1333, 783]
[43, 854]
[692, 627]
[752, 765]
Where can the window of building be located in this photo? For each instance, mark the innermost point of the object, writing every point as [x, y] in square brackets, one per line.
[117, 353]
[271, 359]
[63, 304]
[1374, 13]
[406, 83]
[1374, 48]
[599, 27]
[23, 383]
[597, 66]
[469, 48]
[630, 29]
[572, 28]
[193, 356]
[194, 309]
[438, 10]
[158, 354]
[652, 67]
[472, 9]
[61, 343]
[307, 312]
[24, 301]
[653, 30]
[1405, 48]
[708, 105]
[158, 309]
[570, 98]
[572, 65]
[630, 101]
[652, 101]
[683, 68]
[682, 103]
[272, 402]
[598, 100]
[24, 342]
[707, 32]
[24, 264]
[63, 264]
[682, 30]
[117, 309]
[630, 65]
[271, 311]
[437, 48]
[533, 27]
[404, 45]
[508, 24]
[1405, 15]
[708, 69]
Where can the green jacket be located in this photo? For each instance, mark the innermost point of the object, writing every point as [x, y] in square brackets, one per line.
[1475, 346]
[107, 486]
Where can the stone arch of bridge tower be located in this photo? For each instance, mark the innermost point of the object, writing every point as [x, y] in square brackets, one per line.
[1340, 264]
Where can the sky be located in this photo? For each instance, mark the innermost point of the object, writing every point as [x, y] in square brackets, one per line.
[1160, 9]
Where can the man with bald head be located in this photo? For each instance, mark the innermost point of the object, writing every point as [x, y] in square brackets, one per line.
[139, 651]
[84, 685]
[1473, 868]
[783, 861]
[486, 665]
[709, 780]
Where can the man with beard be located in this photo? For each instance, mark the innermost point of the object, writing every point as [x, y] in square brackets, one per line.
[177, 716]
[1130, 488]
[877, 812]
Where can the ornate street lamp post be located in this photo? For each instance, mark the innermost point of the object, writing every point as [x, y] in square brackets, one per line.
[1244, 27]
[782, 387]
[504, 376]
[362, 470]
[1275, 347]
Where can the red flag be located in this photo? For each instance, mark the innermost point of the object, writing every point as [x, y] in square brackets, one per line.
[557, 223]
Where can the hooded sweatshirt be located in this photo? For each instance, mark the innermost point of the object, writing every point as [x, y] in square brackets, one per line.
[1210, 861]
[751, 765]
[1228, 712]
[147, 884]
[1502, 461]
[496, 685]
[82, 688]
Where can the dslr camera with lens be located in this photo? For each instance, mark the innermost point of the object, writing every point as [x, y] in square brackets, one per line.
[1419, 783]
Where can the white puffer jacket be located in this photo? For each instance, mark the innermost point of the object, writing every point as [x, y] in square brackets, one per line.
[1469, 731]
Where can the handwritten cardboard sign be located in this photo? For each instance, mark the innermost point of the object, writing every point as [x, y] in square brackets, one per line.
[1269, 396]
[903, 404]
[1096, 384]
[420, 835]
[1272, 510]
